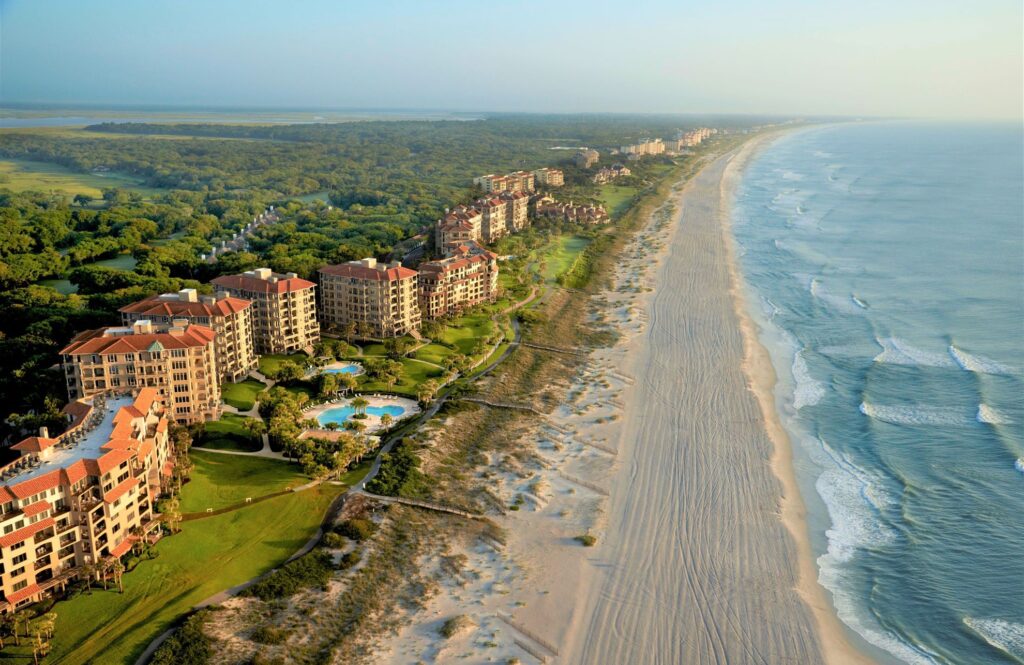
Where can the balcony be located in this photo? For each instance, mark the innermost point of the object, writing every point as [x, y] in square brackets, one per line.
[43, 550]
[42, 563]
[43, 535]
[67, 539]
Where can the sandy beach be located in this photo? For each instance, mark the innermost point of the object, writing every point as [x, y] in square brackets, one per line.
[668, 451]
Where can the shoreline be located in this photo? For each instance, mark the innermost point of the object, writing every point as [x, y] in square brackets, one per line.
[757, 365]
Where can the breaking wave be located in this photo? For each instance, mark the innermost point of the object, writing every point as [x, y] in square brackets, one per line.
[1004, 635]
[914, 415]
[977, 364]
[896, 351]
[988, 415]
[808, 391]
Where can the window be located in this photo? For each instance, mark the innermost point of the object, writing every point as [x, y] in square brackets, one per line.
[18, 571]
[18, 586]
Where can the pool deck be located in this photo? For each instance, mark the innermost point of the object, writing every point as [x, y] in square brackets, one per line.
[371, 421]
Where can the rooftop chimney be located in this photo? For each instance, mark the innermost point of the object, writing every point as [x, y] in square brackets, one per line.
[188, 295]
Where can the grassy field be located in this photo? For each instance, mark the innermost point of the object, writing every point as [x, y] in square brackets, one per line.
[272, 362]
[21, 175]
[560, 254]
[413, 374]
[433, 353]
[617, 198]
[242, 395]
[463, 333]
[228, 433]
[219, 481]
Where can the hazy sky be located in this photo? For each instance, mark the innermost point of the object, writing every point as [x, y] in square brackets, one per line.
[862, 57]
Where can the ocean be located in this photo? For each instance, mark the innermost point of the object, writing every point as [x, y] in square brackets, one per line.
[884, 263]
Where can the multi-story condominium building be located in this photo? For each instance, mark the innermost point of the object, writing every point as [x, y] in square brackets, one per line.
[380, 299]
[645, 147]
[586, 158]
[695, 137]
[519, 181]
[82, 497]
[284, 309]
[580, 214]
[458, 227]
[549, 177]
[495, 213]
[178, 361]
[230, 318]
[468, 278]
[518, 210]
[606, 174]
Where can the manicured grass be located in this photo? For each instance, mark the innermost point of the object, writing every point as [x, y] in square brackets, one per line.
[464, 332]
[208, 556]
[356, 473]
[433, 353]
[374, 349]
[413, 374]
[21, 175]
[228, 433]
[560, 254]
[219, 481]
[272, 362]
[242, 395]
[617, 198]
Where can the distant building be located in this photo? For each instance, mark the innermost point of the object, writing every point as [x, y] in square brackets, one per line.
[694, 137]
[178, 361]
[578, 214]
[519, 181]
[84, 496]
[459, 226]
[467, 278]
[643, 148]
[586, 158]
[549, 177]
[230, 318]
[380, 299]
[495, 216]
[606, 175]
[284, 308]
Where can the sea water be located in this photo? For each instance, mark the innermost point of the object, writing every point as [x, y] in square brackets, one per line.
[885, 267]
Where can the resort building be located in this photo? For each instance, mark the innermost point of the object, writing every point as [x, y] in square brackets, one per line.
[458, 227]
[230, 318]
[380, 299]
[519, 181]
[178, 361]
[586, 158]
[578, 214]
[467, 278]
[518, 210]
[645, 147]
[606, 175]
[83, 497]
[283, 312]
[495, 212]
[549, 177]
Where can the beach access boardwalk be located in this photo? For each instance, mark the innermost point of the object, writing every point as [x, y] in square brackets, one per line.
[696, 566]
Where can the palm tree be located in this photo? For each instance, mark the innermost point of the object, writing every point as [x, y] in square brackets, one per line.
[118, 570]
[385, 420]
[360, 404]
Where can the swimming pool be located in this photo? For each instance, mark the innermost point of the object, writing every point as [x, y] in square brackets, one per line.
[350, 368]
[339, 414]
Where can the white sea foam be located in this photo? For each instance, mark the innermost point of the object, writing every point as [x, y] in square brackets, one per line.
[988, 415]
[791, 175]
[857, 500]
[807, 391]
[977, 364]
[896, 351]
[858, 302]
[838, 303]
[1006, 636]
[914, 415]
[1019, 464]
[771, 310]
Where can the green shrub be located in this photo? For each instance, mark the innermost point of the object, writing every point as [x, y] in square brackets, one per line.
[357, 529]
[311, 570]
[350, 559]
[270, 635]
[333, 540]
[186, 646]
[586, 540]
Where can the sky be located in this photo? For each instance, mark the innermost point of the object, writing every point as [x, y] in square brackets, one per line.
[937, 58]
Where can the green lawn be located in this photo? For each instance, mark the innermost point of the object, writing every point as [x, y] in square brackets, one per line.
[272, 362]
[242, 395]
[559, 255]
[433, 353]
[228, 433]
[617, 198]
[464, 332]
[208, 556]
[374, 349]
[224, 480]
[413, 374]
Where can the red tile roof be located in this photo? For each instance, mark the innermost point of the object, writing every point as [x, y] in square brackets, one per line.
[144, 400]
[98, 342]
[34, 444]
[247, 283]
[357, 270]
[36, 485]
[75, 472]
[21, 595]
[36, 508]
[26, 532]
[120, 490]
[157, 306]
[112, 460]
[121, 547]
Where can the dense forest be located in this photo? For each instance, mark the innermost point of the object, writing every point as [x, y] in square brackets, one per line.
[385, 182]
